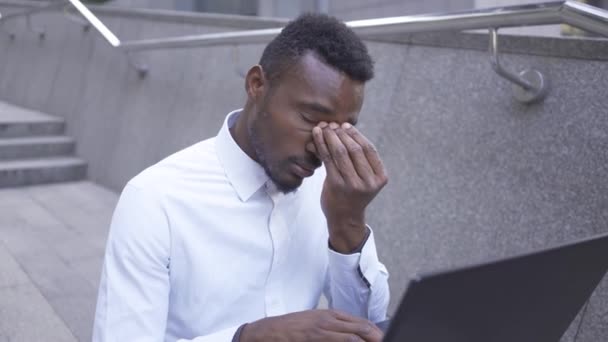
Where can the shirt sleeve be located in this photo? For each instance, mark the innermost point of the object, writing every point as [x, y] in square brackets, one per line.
[358, 283]
[133, 298]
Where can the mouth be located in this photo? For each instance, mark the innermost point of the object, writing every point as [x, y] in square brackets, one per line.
[303, 171]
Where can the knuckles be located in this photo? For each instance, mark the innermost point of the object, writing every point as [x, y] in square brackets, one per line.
[370, 148]
[324, 323]
[355, 149]
[340, 151]
[361, 188]
[367, 329]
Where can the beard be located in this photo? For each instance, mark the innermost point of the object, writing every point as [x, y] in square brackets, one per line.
[273, 170]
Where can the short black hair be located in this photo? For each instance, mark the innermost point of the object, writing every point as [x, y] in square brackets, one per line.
[328, 38]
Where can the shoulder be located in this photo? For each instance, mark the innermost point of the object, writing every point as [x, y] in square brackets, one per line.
[186, 167]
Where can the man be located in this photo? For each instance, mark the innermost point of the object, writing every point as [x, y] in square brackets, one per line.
[237, 237]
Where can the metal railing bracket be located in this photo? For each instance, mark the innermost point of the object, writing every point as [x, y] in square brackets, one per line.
[529, 86]
[142, 68]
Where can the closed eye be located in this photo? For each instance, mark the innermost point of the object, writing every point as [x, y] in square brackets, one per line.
[305, 118]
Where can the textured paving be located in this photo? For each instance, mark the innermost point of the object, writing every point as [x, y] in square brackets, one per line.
[52, 240]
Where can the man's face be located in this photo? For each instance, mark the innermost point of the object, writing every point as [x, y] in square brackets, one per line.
[281, 129]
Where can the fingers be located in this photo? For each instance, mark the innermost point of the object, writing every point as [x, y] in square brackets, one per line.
[342, 337]
[312, 148]
[370, 151]
[340, 154]
[324, 154]
[357, 156]
[313, 325]
[363, 328]
[347, 152]
[366, 331]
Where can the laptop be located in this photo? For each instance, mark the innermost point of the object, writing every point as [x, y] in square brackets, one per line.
[532, 297]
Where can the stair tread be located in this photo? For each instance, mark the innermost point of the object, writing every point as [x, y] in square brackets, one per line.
[36, 163]
[33, 140]
[10, 114]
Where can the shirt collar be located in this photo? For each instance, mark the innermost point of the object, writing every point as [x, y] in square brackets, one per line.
[244, 173]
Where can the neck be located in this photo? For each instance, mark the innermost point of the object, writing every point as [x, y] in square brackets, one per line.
[240, 132]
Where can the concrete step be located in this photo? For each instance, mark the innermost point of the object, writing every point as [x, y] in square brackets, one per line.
[32, 147]
[41, 170]
[20, 122]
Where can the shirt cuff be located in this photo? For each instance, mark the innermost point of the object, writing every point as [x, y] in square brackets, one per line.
[359, 248]
[356, 268]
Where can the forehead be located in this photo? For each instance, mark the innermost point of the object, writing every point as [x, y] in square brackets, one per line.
[312, 80]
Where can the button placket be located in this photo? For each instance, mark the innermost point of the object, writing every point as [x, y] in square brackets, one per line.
[277, 229]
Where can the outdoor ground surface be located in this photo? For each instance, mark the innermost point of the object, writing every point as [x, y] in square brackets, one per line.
[52, 240]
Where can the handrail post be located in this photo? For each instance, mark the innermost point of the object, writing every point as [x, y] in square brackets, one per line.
[528, 86]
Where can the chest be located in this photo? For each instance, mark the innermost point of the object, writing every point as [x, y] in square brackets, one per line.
[225, 250]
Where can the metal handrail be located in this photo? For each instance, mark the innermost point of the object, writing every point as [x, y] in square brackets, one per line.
[97, 24]
[574, 13]
[561, 12]
[530, 84]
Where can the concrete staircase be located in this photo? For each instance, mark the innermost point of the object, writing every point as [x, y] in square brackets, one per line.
[33, 149]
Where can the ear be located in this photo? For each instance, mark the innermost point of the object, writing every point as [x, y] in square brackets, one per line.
[256, 84]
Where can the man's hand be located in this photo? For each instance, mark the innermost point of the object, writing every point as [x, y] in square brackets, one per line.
[312, 325]
[355, 175]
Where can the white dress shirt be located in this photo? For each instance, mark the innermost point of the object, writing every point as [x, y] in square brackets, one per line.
[202, 242]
